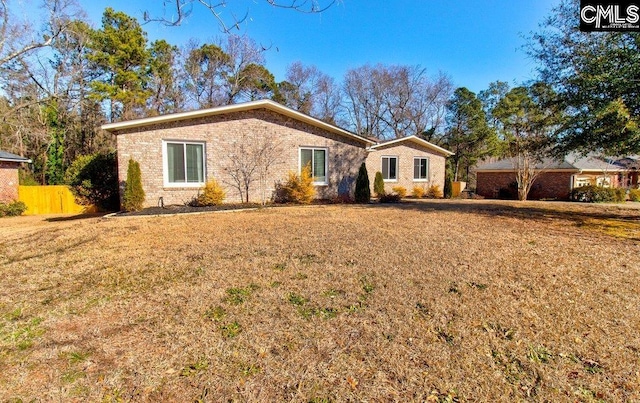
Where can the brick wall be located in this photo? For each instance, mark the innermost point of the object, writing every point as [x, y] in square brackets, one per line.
[406, 151]
[8, 181]
[219, 134]
[548, 185]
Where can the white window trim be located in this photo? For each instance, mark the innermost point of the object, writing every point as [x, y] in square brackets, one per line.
[428, 169]
[165, 165]
[326, 163]
[397, 168]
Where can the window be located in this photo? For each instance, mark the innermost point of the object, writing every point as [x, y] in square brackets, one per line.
[390, 168]
[420, 168]
[317, 157]
[184, 163]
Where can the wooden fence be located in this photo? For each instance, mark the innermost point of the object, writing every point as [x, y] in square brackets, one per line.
[50, 200]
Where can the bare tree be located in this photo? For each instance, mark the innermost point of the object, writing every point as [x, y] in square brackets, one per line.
[310, 91]
[243, 52]
[176, 11]
[251, 159]
[395, 101]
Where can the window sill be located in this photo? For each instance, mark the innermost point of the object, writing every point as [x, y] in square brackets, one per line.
[390, 180]
[179, 186]
[421, 180]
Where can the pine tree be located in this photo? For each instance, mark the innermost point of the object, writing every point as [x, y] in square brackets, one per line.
[378, 185]
[133, 192]
[363, 192]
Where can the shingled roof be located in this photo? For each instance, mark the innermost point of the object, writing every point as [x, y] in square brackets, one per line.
[8, 157]
[572, 162]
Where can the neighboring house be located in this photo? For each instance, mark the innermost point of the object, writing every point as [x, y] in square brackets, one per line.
[179, 152]
[631, 177]
[408, 162]
[9, 165]
[555, 181]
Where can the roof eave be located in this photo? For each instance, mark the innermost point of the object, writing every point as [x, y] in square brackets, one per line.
[266, 104]
[415, 139]
[25, 160]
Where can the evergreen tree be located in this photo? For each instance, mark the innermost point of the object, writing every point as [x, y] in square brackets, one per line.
[595, 79]
[363, 191]
[378, 184]
[133, 192]
[468, 136]
[121, 59]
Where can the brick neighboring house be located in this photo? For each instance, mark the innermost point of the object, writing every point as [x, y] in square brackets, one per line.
[407, 162]
[557, 179]
[9, 182]
[179, 152]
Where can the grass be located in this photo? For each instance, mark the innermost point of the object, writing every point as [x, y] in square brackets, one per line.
[439, 301]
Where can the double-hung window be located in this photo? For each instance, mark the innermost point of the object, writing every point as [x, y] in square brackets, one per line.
[317, 159]
[184, 163]
[420, 168]
[390, 168]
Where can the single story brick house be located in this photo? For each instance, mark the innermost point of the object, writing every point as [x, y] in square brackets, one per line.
[555, 181]
[408, 162]
[9, 182]
[179, 152]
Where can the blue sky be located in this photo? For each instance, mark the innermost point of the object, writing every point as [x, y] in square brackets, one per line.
[474, 42]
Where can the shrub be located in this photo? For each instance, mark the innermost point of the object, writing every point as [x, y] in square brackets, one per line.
[390, 198]
[418, 191]
[363, 189]
[620, 195]
[133, 193]
[212, 194]
[26, 178]
[597, 194]
[434, 192]
[400, 191]
[14, 208]
[634, 195]
[94, 180]
[297, 188]
[378, 184]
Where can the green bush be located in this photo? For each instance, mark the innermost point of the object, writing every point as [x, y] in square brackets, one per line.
[621, 195]
[378, 184]
[133, 198]
[363, 190]
[25, 178]
[14, 208]
[94, 180]
[597, 194]
[634, 195]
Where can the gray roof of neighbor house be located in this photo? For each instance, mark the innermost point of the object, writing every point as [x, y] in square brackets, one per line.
[8, 157]
[246, 106]
[571, 162]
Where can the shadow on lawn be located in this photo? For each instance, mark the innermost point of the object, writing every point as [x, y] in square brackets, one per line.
[75, 217]
[578, 213]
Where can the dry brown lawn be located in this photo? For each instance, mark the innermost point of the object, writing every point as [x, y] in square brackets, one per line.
[430, 301]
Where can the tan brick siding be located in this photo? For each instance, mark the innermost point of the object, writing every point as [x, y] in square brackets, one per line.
[8, 181]
[406, 151]
[218, 133]
[548, 185]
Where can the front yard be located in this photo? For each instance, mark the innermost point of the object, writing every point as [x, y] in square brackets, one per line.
[434, 300]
